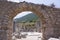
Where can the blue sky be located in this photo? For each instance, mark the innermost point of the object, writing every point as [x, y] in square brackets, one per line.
[46, 2]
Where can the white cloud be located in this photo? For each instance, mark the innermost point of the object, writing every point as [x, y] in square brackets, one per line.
[14, 1]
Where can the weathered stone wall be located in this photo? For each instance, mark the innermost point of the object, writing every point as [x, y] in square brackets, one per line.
[4, 36]
[3, 0]
[52, 23]
[50, 17]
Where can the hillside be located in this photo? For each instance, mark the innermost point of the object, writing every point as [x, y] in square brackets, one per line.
[26, 18]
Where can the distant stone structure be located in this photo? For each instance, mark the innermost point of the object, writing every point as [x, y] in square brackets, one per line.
[50, 18]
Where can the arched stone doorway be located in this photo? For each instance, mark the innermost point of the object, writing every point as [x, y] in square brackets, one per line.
[26, 21]
[41, 16]
[49, 17]
[33, 8]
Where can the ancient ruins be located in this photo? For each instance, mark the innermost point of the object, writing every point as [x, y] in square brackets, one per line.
[50, 18]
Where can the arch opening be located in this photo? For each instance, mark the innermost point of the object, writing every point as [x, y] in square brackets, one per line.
[27, 22]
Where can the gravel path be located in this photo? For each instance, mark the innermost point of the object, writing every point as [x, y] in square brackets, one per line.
[30, 38]
[33, 36]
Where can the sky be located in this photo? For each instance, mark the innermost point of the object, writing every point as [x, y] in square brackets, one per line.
[45, 2]
[22, 14]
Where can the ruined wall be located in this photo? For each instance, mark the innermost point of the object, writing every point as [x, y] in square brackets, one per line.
[50, 17]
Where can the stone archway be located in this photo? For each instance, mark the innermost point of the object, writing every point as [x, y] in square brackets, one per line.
[48, 15]
[33, 9]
